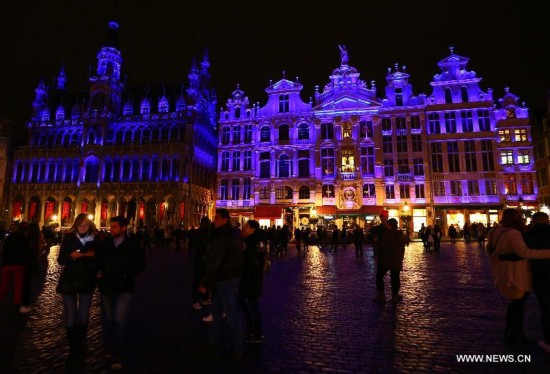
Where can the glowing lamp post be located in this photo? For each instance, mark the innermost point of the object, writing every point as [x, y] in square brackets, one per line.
[406, 218]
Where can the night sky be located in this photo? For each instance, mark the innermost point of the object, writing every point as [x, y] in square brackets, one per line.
[251, 42]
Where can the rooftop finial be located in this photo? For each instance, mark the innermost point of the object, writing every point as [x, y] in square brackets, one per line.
[284, 74]
[343, 55]
[507, 89]
[452, 49]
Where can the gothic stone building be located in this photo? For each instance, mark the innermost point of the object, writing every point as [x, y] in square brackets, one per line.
[448, 158]
[145, 153]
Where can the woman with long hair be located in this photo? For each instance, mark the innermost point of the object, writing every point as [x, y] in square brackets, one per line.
[77, 281]
[36, 242]
[511, 272]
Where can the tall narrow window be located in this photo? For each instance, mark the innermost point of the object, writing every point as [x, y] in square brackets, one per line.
[236, 161]
[225, 161]
[404, 191]
[283, 132]
[235, 184]
[303, 131]
[226, 136]
[507, 157]
[437, 157]
[510, 186]
[526, 181]
[416, 142]
[386, 124]
[418, 166]
[327, 131]
[491, 187]
[284, 104]
[264, 193]
[487, 155]
[303, 193]
[388, 168]
[419, 191]
[433, 123]
[470, 155]
[473, 188]
[399, 96]
[453, 156]
[265, 134]
[346, 130]
[236, 134]
[367, 160]
[439, 188]
[224, 192]
[415, 123]
[327, 161]
[450, 122]
[387, 144]
[247, 162]
[456, 188]
[248, 134]
[390, 191]
[464, 94]
[448, 95]
[401, 123]
[265, 165]
[369, 190]
[484, 120]
[328, 191]
[348, 159]
[365, 129]
[246, 188]
[284, 166]
[403, 166]
[303, 163]
[467, 121]
[402, 143]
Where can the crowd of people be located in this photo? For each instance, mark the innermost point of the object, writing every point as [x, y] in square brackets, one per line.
[229, 263]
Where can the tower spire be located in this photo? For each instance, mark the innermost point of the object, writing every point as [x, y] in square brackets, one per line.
[61, 78]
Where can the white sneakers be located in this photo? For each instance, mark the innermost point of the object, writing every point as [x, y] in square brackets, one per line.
[24, 309]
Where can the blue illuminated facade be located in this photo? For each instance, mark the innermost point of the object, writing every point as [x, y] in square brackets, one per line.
[452, 157]
[147, 153]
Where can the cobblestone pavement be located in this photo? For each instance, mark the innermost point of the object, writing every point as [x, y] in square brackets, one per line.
[318, 313]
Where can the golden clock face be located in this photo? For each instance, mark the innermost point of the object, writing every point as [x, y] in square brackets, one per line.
[305, 220]
[349, 194]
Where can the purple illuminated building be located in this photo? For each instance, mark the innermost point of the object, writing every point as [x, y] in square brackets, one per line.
[147, 153]
[448, 158]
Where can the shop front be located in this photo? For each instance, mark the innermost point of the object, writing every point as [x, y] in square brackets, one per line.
[269, 215]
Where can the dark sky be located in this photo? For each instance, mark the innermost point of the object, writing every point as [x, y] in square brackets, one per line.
[251, 42]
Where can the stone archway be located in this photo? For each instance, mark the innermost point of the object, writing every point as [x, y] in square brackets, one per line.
[33, 215]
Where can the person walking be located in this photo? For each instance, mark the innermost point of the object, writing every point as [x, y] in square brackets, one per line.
[251, 286]
[335, 238]
[298, 239]
[452, 233]
[203, 237]
[358, 241]
[15, 257]
[76, 285]
[538, 237]
[224, 269]
[120, 261]
[390, 258]
[512, 275]
[36, 243]
[436, 234]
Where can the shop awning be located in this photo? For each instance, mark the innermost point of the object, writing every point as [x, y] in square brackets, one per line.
[326, 210]
[268, 212]
[364, 210]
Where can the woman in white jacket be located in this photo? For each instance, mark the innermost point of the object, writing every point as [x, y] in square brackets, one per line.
[511, 272]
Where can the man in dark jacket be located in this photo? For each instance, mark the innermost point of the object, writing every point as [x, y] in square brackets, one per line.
[16, 256]
[538, 237]
[121, 260]
[224, 267]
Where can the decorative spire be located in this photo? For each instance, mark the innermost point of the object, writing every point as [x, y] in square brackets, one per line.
[61, 78]
[452, 49]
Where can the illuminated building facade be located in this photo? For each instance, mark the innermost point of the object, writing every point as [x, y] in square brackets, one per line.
[541, 139]
[145, 153]
[348, 154]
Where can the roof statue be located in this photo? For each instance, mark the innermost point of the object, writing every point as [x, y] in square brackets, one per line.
[343, 54]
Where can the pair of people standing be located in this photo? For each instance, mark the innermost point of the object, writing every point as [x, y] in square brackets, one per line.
[113, 264]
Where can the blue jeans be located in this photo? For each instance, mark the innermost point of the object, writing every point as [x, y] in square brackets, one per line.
[253, 317]
[224, 299]
[77, 309]
[116, 308]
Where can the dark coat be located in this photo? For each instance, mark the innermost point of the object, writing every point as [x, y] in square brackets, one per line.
[78, 276]
[17, 250]
[251, 286]
[224, 258]
[538, 237]
[392, 250]
[119, 266]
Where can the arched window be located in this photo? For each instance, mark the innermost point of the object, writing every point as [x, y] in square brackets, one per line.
[304, 192]
[284, 166]
[145, 107]
[283, 132]
[283, 193]
[264, 193]
[448, 95]
[265, 134]
[303, 131]
[92, 169]
[464, 94]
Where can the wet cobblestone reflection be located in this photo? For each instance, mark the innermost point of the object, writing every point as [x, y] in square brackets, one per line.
[318, 315]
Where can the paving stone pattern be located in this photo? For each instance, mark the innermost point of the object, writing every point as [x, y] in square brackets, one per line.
[318, 314]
